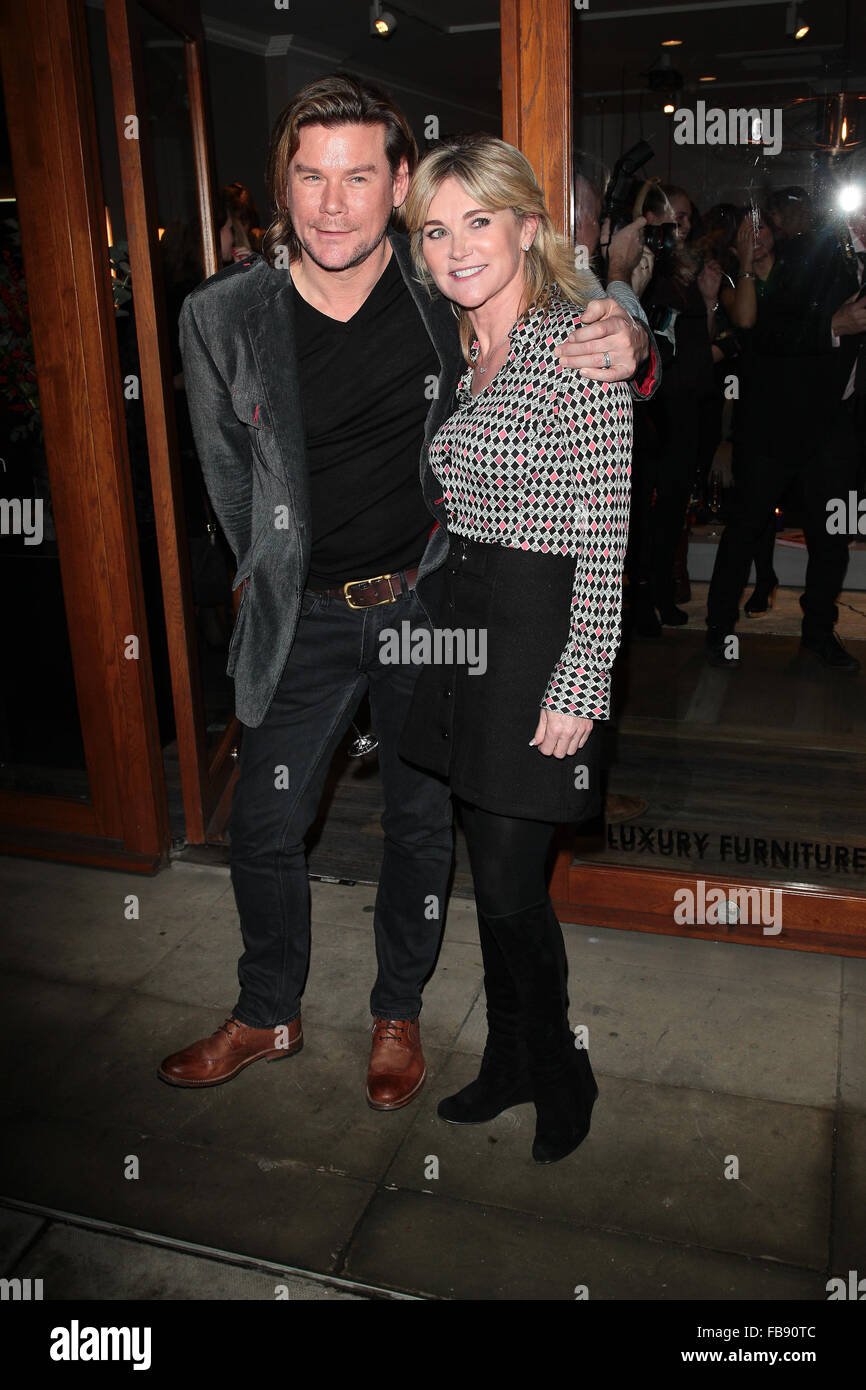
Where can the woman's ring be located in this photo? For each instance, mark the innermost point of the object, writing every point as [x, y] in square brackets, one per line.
[607, 359]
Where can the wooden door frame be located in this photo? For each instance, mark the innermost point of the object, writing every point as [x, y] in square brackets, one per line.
[204, 777]
[536, 38]
[58, 186]
[536, 96]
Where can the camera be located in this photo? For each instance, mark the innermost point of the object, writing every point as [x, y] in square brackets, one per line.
[618, 200]
[661, 240]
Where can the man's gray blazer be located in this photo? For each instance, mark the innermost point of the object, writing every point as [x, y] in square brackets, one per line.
[237, 341]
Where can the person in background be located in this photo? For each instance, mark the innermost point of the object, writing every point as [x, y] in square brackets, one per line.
[614, 259]
[789, 214]
[760, 384]
[621, 262]
[809, 331]
[246, 232]
[681, 301]
[715, 242]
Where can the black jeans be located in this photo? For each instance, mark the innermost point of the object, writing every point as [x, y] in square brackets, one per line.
[283, 765]
[829, 470]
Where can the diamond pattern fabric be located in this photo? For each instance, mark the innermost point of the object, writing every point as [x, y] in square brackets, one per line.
[541, 460]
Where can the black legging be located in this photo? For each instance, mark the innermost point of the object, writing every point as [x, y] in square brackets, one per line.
[508, 856]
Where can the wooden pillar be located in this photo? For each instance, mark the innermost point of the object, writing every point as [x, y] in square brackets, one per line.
[536, 117]
[58, 185]
[140, 204]
[536, 96]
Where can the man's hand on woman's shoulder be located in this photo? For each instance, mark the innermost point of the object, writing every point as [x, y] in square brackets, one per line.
[605, 328]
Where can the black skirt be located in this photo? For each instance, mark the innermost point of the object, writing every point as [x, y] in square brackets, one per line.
[508, 614]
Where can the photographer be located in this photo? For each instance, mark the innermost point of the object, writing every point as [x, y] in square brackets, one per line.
[761, 390]
[681, 304]
[615, 260]
[808, 340]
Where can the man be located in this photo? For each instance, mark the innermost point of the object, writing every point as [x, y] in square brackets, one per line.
[624, 265]
[316, 375]
[789, 212]
[809, 336]
[623, 252]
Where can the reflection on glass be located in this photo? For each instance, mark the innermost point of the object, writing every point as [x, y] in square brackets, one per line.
[736, 750]
[180, 270]
[41, 749]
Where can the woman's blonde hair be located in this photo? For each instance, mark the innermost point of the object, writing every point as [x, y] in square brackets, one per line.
[498, 176]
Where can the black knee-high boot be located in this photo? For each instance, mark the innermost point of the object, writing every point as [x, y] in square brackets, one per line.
[563, 1086]
[503, 1080]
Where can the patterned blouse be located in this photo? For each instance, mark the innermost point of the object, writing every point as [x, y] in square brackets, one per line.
[541, 460]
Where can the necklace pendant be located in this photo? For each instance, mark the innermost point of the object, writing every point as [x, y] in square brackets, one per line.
[482, 370]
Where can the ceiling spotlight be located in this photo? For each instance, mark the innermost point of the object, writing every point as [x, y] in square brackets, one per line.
[706, 79]
[382, 22]
[669, 108]
[671, 43]
[793, 28]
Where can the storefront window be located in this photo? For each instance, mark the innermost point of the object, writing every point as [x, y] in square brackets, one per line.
[744, 757]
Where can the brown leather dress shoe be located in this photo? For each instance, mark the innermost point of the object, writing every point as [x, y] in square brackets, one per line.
[233, 1046]
[397, 1068]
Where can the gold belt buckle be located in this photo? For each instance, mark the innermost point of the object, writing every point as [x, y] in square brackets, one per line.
[375, 579]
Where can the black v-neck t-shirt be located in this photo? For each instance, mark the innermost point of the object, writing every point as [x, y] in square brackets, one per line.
[366, 388]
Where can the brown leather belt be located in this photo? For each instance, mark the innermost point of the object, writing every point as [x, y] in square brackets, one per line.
[369, 593]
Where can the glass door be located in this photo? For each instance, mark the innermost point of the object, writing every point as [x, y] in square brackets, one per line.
[161, 147]
[81, 775]
[736, 805]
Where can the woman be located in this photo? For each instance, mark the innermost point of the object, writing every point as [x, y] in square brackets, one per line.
[534, 464]
[680, 301]
[246, 232]
[755, 250]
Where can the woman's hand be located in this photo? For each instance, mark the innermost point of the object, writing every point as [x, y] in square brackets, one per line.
[643, 272]
[560, 734]
[709, 280]
[745, 244]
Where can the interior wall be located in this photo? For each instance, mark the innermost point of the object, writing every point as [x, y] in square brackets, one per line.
[237, 91]
[709, 173]
[248, 91]
[288, 72]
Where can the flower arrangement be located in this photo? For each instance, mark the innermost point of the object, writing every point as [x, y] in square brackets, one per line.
[121, 275]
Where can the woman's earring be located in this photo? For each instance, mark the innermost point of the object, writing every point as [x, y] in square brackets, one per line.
[526, 248]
